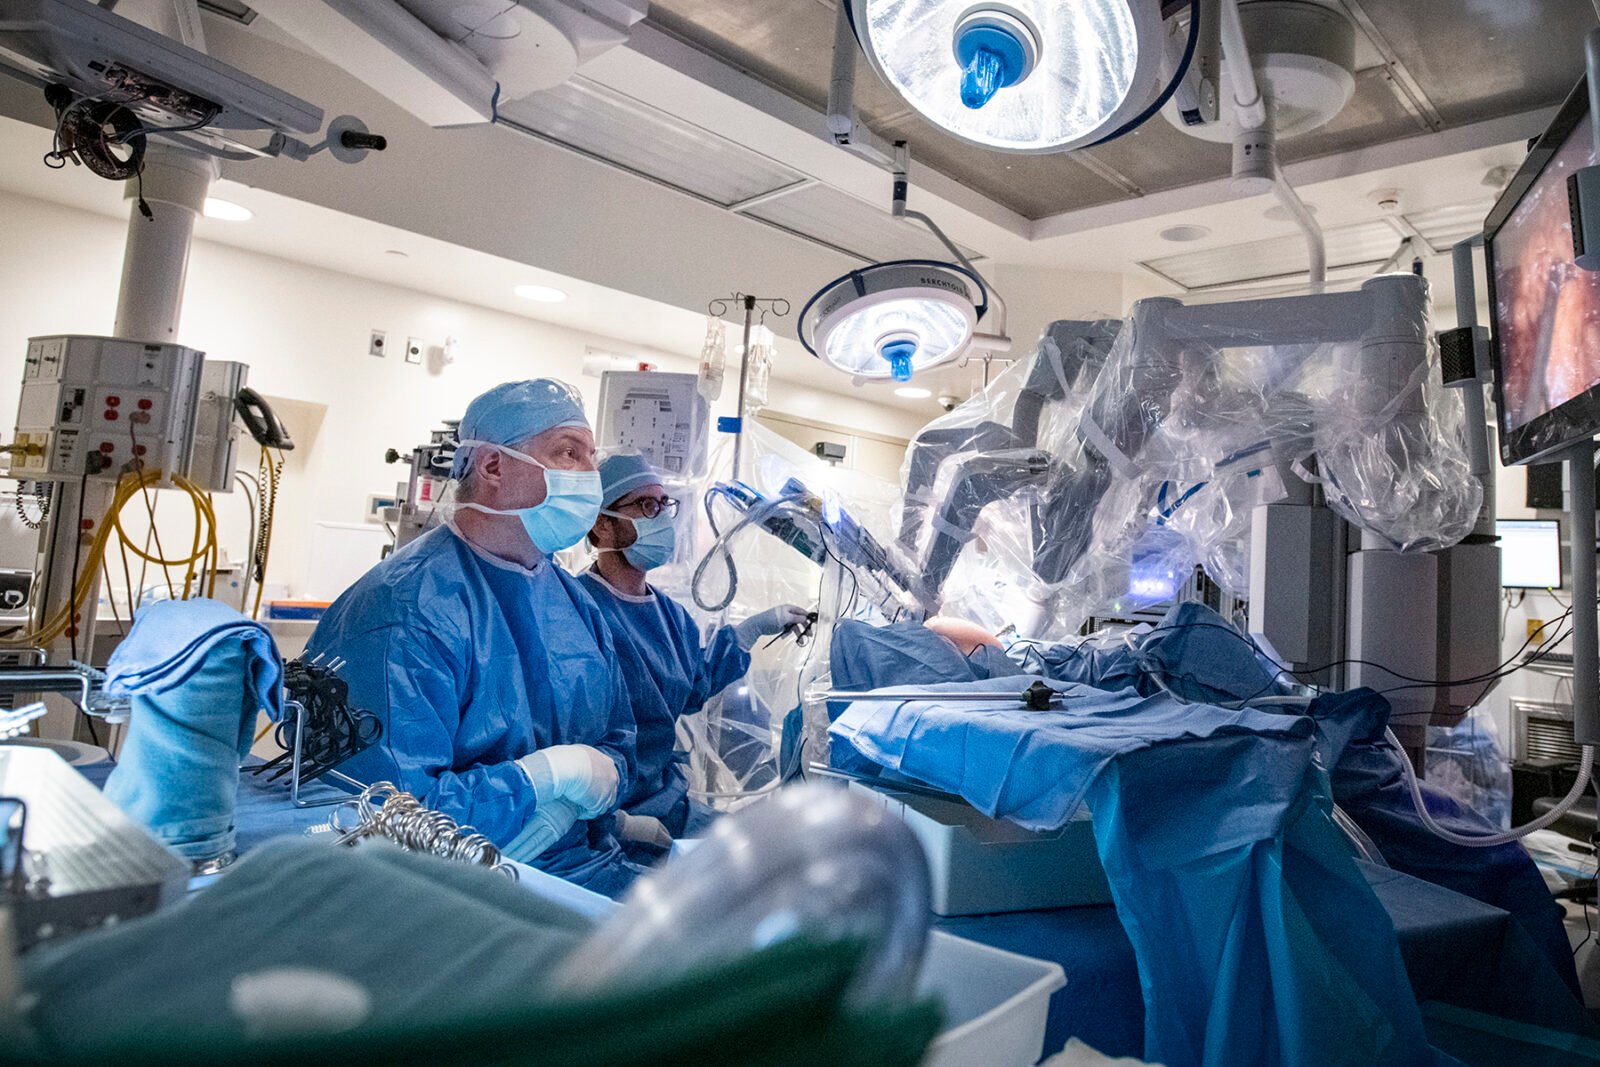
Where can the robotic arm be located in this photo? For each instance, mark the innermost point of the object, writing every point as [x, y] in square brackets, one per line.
[1159, 394]
[990, 462]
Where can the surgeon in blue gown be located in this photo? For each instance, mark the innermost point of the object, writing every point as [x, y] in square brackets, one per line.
[670, 672]
[494, 675]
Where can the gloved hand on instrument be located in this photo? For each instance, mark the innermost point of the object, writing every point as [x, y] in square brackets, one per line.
[769, 622]
[584, 775]
[643, 829]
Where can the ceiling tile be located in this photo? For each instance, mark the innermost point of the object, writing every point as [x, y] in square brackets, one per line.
[645, 139]
[1159, 156]
[1444, 226]
[1479, 59]
[846, 222]
[1031, 185]
[1374, 115]
[1277, 257]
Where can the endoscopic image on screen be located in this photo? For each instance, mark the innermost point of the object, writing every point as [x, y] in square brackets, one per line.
[1549, 308]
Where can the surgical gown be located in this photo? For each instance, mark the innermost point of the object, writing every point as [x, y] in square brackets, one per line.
[471, 662]
[669, 675]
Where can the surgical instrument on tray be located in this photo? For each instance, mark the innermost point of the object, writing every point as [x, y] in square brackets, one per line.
[384, 810]
[1037, 697]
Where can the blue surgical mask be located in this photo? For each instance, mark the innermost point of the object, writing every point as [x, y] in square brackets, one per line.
[654, 540]
[567, 513]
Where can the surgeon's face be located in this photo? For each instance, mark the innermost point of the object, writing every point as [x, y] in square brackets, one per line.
[611, 532]
[566, 448]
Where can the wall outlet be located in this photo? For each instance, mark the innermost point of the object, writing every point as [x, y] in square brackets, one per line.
[413, 350]
[375, 345]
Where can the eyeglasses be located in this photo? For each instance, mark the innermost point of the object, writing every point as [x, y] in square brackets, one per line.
[651, 506]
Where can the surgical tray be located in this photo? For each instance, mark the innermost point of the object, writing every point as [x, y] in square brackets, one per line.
[981, 866]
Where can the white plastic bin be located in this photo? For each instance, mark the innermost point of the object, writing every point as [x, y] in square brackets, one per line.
[980, 866]
[995, 1003]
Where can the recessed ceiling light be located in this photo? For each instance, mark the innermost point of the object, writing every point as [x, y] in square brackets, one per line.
[1186, 233]
[227, 210]
[1279, 213]
[913, 392]
[542, 294]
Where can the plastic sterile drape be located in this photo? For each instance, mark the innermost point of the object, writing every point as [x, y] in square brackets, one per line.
[1095, 483]
[734, 746]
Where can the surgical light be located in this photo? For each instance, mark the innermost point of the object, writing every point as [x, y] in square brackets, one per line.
[890, 320]
[1017, 75]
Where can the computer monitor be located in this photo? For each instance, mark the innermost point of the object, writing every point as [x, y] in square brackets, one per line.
[1545, 308]
[1530, 553]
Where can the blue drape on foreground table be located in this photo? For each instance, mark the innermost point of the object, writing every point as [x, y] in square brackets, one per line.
[1258, 940]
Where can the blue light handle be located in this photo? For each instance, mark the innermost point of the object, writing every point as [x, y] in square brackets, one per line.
[991, 58]
[983, 77]
[899, 354]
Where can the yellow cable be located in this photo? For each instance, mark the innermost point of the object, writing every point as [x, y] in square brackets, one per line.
[53, 626]
[127, 578]
[127, 487]
[155, 531]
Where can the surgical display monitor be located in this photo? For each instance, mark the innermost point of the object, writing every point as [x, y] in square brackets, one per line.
[1546, 309]
[1530, 553]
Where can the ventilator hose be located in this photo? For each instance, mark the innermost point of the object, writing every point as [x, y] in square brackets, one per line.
[1504, 837]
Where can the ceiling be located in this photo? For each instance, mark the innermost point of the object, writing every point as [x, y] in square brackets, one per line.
[1424, 66]
[720, 101]
[303, 232]
[716, 104]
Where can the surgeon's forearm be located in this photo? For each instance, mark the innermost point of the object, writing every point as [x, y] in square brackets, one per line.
[496, 798]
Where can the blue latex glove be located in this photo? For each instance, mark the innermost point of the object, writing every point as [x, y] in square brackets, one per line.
[580, 774]
[548, 824]
[769, 622]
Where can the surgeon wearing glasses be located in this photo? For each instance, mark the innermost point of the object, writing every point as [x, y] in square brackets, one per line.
[669, 672]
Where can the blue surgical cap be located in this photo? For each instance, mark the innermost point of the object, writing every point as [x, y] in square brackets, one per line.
[622, 473]
[516, 411]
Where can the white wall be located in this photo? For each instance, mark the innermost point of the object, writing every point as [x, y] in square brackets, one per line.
[304, 333]
[1035, 297]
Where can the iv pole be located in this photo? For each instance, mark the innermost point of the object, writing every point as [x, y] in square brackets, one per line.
[778, 307]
